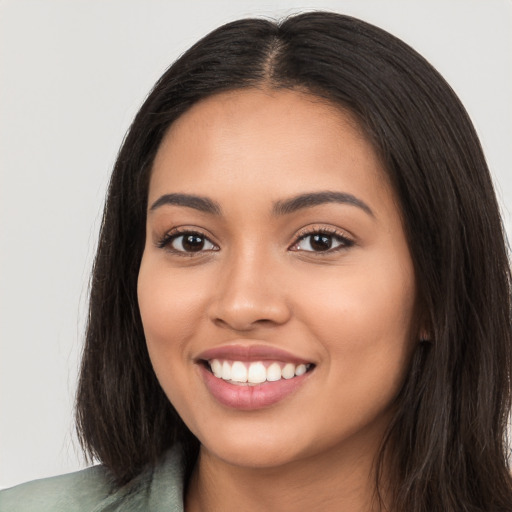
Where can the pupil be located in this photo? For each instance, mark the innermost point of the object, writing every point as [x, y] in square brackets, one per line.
[321, 242]
[193, 243]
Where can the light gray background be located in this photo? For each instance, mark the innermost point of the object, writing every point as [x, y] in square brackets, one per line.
[72, 75]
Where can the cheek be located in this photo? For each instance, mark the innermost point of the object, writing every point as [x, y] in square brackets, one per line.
[365, 328]
[170, 307]
[364, 318]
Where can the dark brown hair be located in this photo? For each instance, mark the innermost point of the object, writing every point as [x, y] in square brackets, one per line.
[446, 444]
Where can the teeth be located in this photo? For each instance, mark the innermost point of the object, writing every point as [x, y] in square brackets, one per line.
[300, 370]
[274, 372]
[217, 368]
[226, 371]
[255, 373]
[288, 372]
[238, 372]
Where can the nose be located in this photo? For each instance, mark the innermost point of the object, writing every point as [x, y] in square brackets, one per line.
[249, 294]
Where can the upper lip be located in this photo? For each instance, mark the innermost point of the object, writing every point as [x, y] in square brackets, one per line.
[250, 352]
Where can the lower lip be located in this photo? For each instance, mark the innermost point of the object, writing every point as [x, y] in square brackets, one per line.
[250, 397]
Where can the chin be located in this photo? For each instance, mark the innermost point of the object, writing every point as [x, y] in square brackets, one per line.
[254, 455]
[265, 445]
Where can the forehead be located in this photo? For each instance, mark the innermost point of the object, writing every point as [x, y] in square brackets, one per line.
[281, 141]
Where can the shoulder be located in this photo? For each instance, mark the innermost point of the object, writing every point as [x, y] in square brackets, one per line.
[92, 490]
[74, 491]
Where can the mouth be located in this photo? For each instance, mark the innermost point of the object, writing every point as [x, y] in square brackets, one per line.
[251, 377]
[251, 373]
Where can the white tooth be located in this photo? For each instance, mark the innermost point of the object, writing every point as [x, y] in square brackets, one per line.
[274, 372]
[216, 367]
[257, 373]
[300, 370]
[226, 371]
[238, 372]
[288, 371]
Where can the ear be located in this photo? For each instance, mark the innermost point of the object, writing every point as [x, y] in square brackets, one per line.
[424, 326]
[424, 335]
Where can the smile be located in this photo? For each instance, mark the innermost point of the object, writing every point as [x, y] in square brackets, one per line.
[257, 372]
[251, 377]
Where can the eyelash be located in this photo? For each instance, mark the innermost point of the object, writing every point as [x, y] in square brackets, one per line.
[166, 241]
[345, 242]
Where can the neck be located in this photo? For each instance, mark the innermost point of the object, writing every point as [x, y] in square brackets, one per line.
[341, 479]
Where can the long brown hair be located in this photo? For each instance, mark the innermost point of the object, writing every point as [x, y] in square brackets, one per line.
[446, 445]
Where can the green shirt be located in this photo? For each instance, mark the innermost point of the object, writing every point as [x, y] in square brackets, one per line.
[156, 490]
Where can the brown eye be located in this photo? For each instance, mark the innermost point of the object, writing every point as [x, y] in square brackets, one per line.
[322, 242]
[190, 242]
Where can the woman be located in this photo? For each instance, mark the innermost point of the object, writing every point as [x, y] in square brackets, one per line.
[301, 292]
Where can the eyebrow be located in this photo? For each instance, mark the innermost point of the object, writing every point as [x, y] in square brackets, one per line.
[284, 207]
[317, 198]
[203, 204]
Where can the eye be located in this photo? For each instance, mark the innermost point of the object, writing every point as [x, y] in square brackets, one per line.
[187, 242]
[322, 241]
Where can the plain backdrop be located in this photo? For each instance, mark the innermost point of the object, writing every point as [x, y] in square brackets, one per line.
[72, 75]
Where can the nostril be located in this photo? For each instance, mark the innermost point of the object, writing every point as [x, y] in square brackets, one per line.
[246, 308]
[241, 323]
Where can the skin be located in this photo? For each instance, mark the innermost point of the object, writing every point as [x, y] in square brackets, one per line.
[351, 312]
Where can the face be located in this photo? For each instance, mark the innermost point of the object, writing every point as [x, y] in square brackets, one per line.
[276, 287]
